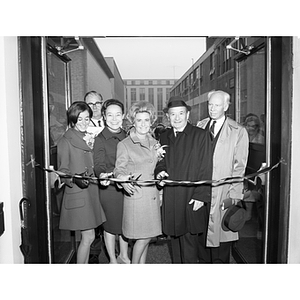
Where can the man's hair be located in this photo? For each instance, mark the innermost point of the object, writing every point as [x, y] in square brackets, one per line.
[93, 94]
[225, 95]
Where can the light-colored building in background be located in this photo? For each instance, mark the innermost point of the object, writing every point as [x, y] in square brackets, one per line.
[155, 91]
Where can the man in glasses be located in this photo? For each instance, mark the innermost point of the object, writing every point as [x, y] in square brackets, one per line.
[95, 100]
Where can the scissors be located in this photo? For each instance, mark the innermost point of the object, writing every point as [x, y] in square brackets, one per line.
[136, 179]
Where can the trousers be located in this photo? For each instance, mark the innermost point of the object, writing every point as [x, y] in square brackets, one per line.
[186, 248]
[214, 255]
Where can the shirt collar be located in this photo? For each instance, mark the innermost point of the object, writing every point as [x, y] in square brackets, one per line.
[219, 121]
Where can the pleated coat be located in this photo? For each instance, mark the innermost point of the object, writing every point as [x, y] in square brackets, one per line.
[229, 159]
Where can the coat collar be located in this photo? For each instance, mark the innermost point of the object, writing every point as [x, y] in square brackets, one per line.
[108, 134]
[76, 139]
[136, 140]
[187, 129]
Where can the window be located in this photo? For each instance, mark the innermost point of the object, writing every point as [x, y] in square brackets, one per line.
[151, 95]
[159, 99]
[168, 93]
[201, 73]
[133, 94]
[142, 94]
[212, 65]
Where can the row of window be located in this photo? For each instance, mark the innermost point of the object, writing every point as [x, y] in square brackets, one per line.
[149, 82]
[220, 62]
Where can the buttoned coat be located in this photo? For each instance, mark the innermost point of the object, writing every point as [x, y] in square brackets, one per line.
[187, 158]
[111, 197]
[141, 214]
[81, 208]
[229, 159]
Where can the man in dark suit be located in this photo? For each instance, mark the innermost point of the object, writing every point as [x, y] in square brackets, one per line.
[187, 157]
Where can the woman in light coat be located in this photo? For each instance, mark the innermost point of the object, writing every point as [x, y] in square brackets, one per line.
[137, 157]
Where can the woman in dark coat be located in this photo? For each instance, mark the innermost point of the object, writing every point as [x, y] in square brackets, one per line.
[81, 208]
[111, 196]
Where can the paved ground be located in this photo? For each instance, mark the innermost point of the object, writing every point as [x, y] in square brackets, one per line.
[159, 252]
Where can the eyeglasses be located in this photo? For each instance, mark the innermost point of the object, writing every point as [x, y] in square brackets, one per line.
[97, 104]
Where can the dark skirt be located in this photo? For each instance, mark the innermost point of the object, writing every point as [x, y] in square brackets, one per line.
[112, 200]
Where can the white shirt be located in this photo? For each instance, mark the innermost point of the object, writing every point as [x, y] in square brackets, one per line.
[94, 127]
[218, 125]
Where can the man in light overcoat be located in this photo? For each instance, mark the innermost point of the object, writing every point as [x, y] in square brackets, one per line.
[230, 144]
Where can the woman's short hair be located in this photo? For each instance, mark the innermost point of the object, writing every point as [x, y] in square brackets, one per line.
[109, 102]
[252, 118]
[140, 107]
[75, 110]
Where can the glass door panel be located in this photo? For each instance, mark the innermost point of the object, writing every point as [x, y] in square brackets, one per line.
[62, 244]
[251, 110]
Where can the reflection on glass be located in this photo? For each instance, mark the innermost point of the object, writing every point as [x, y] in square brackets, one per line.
[251, 78]
[62, 241]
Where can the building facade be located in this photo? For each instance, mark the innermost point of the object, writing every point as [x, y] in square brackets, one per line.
[117, 83]
[215, 69]
[155, 91]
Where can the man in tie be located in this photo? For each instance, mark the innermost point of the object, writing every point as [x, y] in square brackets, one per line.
[230, 144]
[187, 157]
[95, 101]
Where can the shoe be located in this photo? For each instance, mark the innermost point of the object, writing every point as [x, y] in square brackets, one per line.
[121, 261]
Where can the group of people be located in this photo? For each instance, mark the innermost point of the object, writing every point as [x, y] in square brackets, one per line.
[190, 215]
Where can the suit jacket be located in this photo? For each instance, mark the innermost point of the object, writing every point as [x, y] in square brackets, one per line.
[187, 158]
[229, 159]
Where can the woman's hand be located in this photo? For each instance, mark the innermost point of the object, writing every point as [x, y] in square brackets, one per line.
[105, 175]
[128, 187]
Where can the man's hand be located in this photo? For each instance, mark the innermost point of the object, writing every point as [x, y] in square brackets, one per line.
[197, 204]
[160, 176]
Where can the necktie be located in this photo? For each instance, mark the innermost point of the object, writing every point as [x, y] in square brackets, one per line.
[212, 129]
[99, 123]
[177, 133]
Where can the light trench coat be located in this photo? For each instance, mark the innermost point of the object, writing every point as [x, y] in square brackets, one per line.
[229, 159]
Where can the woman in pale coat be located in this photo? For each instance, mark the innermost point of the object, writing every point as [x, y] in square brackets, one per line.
[137, 157]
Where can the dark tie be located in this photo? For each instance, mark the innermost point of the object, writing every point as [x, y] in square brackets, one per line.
[212, 129]
[99, 123]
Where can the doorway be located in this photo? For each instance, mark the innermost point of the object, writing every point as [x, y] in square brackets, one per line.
[251, 111]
